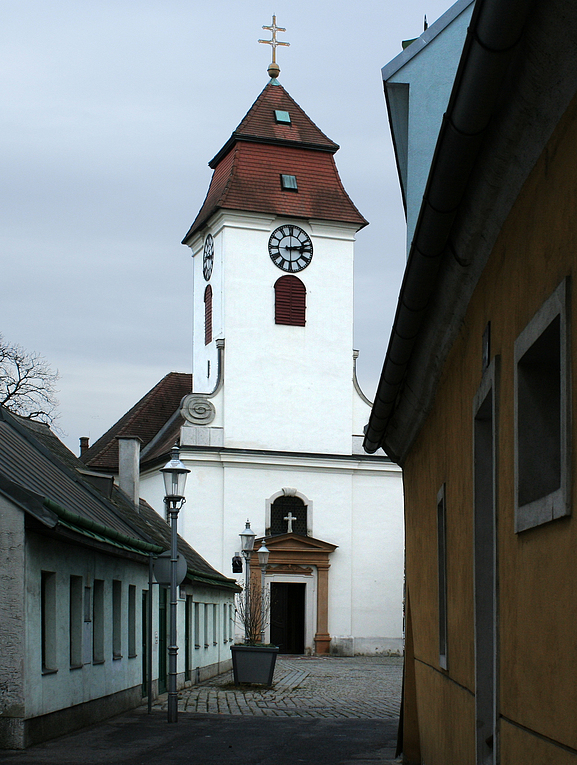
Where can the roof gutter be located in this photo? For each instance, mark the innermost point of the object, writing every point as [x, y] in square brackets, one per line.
[99, 528]
[495, 30]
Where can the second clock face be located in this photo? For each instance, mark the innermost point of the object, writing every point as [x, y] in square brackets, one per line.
[290, 248]
[208, 257]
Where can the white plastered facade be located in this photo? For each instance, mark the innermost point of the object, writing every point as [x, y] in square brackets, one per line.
[287, 413]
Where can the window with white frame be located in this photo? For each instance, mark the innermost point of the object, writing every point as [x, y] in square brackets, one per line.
[541, 415]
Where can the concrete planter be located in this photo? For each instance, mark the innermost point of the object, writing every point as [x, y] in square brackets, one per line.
[253, 663]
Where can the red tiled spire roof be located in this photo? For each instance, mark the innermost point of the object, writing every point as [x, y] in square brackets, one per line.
[247, 169]
[144, 420]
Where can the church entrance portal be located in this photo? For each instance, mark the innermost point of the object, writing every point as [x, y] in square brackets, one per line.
[287, 623]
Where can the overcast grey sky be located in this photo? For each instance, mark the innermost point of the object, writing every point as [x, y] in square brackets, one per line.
[111, 111]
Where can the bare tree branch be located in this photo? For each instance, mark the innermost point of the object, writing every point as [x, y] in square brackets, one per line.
[251, 609]
[27, 383]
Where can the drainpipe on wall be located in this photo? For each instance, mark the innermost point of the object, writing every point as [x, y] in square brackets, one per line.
[129, 467]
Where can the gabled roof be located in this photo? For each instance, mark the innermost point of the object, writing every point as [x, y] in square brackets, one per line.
[247, 169]
[424, 39]
[145, 420]
[42, 477]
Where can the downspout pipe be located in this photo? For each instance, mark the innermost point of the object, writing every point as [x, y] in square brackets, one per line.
[495, 30]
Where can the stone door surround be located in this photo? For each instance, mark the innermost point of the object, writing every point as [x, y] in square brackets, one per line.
[295, 553]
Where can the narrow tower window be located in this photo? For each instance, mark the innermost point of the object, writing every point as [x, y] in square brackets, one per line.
[208, 315]
[290, 301]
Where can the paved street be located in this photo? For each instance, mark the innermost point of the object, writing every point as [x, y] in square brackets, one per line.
[322, 711]
[357, 687]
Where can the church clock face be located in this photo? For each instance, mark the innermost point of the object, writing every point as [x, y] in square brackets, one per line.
[208, 257]
[290, 248]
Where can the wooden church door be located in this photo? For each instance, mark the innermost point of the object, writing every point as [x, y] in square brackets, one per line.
[287, 624]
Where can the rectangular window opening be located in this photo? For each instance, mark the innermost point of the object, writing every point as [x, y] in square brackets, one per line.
[197, 625]
[116, 619]
[131, 621]
[541, 440]
[187, 638]
[98, 622]
[442, 575]
[485, 562]
[288, 182]
[48, 621]
[282, 117]
[76, 619]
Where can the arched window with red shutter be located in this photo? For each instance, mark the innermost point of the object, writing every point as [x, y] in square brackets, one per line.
[290, 301]
[208, 315]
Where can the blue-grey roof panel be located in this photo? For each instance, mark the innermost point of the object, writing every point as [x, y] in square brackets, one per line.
[429, 34]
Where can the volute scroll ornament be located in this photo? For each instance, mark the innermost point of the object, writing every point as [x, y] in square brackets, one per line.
[197, 409]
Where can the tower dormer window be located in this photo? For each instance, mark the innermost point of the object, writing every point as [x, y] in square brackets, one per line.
[282, 117]
[208, 315]
[289, 183]
[290, 301]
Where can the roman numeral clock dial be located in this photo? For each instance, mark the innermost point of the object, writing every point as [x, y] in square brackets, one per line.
[290, 248]
[208, 257]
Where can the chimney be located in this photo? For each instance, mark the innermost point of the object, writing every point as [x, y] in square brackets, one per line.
[84, 445]
[129, 467]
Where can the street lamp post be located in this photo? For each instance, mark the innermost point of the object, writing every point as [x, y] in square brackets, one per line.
[174, 474]
[263, 554]
[247, 537]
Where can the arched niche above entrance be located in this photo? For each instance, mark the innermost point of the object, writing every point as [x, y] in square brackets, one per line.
[289, 497]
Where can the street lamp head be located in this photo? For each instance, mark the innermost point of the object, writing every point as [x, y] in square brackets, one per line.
[263, 554]
[247, 537]
[174, 474]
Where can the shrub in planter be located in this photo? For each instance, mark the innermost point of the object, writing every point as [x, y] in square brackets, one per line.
[253, 661]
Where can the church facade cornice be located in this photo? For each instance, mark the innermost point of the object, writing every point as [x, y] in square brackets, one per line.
[294, 461]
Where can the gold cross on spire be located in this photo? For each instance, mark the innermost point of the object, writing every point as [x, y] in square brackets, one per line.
[274, 69]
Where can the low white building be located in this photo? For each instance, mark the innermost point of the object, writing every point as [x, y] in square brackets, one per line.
[272, 428]
[75, 594]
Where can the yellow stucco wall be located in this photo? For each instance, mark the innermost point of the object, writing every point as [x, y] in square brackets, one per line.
[536, 250]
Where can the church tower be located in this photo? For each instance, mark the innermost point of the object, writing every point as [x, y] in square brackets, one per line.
[272, 430]
[273, 290]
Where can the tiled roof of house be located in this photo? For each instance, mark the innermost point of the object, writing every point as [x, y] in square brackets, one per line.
[40, 475]
[145, 420]
[259, 123]
[247, 169]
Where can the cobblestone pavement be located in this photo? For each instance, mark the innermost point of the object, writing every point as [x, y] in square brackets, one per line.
[362, 687]
[320, 711]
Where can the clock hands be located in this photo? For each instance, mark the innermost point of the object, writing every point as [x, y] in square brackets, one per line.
[301, 248]
[290, 248]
